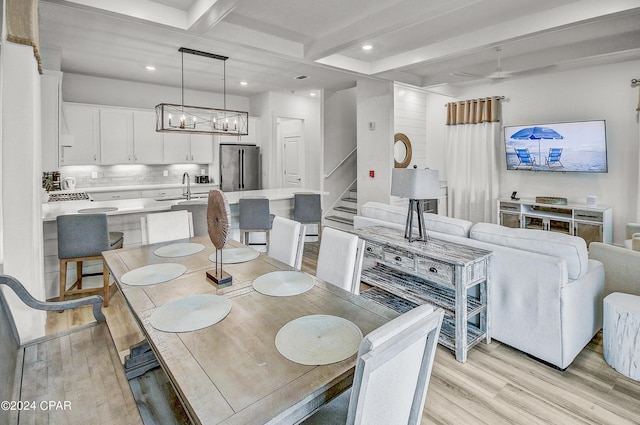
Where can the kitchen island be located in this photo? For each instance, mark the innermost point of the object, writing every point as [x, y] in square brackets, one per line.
[124, 216]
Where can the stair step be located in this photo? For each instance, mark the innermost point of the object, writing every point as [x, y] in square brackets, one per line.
[346, 210]
[350, 199]
[339, 219]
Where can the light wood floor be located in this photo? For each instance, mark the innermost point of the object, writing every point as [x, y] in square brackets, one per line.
[497, 384]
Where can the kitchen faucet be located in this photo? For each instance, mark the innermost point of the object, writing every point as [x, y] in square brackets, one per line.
[188, 179]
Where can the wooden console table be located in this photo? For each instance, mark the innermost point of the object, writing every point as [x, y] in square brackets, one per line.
[404, 275]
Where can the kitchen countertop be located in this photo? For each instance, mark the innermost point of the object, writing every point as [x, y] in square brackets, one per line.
[50, 210]
[195, 187]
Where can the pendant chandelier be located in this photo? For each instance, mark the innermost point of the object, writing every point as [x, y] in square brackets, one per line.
[172, 118]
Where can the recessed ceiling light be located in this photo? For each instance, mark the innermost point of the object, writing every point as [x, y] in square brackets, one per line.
[312, 94]
[243, 83]
[150, 68]
[367, 47]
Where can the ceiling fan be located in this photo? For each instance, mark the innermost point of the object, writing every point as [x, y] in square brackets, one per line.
[499, 74]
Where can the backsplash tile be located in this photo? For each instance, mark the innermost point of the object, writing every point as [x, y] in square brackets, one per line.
[128, 175]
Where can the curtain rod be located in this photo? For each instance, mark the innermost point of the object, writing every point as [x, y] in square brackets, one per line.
[494, 97]
[635, 81]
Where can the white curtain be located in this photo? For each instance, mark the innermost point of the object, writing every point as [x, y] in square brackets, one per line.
[638, 168]
[638, 186]
[472, 171]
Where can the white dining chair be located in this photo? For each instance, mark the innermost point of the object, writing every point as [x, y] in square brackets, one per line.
[166, 226]
[392, 373]
[340, 259]
[286, 242]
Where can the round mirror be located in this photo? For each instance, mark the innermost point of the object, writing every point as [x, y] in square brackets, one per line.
[401, 150]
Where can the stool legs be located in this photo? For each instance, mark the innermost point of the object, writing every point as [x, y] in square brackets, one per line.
[105, 283]
[244, 235]
[77, 288]
[63, 279]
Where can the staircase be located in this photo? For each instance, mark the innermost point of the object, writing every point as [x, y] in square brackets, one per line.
[341, 216]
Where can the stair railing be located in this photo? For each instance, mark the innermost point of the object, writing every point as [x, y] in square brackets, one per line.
[341, 162]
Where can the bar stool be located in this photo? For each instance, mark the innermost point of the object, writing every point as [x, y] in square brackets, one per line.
[253, 217]
[307, 210]
[83, 237]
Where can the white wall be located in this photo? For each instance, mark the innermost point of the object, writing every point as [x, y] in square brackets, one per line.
[375, 147]
[21, 235]
[602, 92]
[271, 106]
[410, 118]
[340, 139]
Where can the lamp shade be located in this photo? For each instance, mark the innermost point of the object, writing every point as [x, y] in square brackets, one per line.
[415, 183]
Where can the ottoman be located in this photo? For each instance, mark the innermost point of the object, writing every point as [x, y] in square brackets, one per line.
[621, 333]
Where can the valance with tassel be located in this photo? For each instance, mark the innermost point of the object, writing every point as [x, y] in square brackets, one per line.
[474, 111]
[22, 25]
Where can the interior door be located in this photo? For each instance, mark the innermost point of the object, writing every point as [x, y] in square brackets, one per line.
[292, 161]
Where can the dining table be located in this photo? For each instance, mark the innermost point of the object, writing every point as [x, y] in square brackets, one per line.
[232, 372]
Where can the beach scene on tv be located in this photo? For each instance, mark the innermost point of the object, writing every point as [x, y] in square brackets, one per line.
[561, 147]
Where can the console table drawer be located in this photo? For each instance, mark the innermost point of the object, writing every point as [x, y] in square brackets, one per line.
[373, 250]
[435, 271]
[402, 259]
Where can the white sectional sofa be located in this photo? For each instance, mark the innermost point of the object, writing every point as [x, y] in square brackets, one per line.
[545, 294]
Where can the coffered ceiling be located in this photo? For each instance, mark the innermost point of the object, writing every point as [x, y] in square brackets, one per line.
[426, 43]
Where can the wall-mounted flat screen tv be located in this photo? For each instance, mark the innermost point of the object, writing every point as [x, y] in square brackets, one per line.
[579, 146]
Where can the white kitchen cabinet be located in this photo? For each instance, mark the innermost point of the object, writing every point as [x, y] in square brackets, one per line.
[176, 148]
[50, 118]
[201, 149]
[129, 137]
[252, 137]
[114, 196]
[160, 193]
[116, 136]
[147, 142]
[83, 123]
[186, 149]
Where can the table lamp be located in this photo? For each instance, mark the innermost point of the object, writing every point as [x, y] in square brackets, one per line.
[415, 184]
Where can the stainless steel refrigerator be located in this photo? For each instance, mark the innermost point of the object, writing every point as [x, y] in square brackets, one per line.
[239, 167]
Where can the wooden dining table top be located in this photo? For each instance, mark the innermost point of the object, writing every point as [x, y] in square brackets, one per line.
[231, 372]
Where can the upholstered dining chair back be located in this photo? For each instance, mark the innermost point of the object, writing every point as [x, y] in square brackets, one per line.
[253, 216]
[307, 209]
[83, 237]
[392, 373]
[340, 259]
[198, 216]
[166, 226]
[286, 242]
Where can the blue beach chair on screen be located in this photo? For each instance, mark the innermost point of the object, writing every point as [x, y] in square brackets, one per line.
[553, 160]
[524, 158]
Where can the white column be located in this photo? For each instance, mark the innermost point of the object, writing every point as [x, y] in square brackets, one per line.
[21, 236]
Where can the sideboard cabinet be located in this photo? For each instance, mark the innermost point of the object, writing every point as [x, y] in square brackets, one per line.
[593, 224]
[452, 276]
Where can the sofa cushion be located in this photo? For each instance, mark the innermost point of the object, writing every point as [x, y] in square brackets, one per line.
[432, 222]
[572, 249]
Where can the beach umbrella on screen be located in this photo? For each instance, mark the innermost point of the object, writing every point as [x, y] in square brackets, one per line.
[537, 133]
